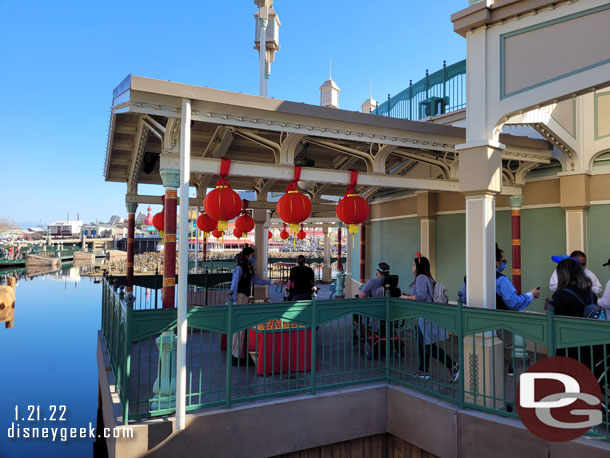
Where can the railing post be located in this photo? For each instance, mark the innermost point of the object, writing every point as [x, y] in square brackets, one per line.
[444, 82]
[410, 117]
[460, 330]
[550, 316]
[427, 84]
[127, 368]
[205, 284]
[389, 105]
[387, 335]
[314, 326]
[229, 354]
[156, 286]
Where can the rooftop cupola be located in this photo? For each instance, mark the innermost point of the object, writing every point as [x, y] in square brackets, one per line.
[329, 92]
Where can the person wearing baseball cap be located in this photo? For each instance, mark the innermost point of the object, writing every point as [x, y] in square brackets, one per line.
[604, 301]
[581, 258]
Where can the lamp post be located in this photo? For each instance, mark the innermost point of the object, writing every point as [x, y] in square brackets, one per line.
[266, 40]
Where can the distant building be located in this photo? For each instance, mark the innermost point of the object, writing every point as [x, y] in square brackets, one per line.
[115, 220]
[148, 220]
[65, 228]
[101, 230]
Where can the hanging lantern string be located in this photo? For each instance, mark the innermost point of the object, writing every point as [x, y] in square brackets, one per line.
[351, 192]
[292, 187]
[225, 165]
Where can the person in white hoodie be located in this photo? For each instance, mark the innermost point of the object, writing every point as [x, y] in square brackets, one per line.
[604, 301]
[582, 259]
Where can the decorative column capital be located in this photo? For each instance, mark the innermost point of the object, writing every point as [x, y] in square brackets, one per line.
[131, 207]
[170, 178]
[516, 202]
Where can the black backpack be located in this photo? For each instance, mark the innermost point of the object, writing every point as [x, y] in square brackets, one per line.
[592, 310]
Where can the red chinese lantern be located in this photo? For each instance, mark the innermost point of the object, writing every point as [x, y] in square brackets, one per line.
[244, 223]
[237, 233]
[293, 207]
[157, 221]
[284, 234]
[353, 209]
[217, 233]
[206, 224]
[301, 234]
[269, 235]
[222, 203]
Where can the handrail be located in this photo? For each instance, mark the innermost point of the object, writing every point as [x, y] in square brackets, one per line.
[446, 87]
[543, 334]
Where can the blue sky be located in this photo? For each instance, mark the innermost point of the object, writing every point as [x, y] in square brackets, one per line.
[61, 60]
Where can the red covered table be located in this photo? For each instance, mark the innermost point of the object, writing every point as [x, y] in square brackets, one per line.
[281, 347]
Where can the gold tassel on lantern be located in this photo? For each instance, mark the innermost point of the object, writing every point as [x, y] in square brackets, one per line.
[353, 229]
[223, 225]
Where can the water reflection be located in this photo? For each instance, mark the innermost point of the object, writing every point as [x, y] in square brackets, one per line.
[68, 272]
[52, 360]
[7, 303]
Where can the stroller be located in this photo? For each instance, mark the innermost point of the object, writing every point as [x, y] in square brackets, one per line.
[372, 332]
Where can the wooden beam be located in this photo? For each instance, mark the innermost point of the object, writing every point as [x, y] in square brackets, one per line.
[198, 202]
[286, 173]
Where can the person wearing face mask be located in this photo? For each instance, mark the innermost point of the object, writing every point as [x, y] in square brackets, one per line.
[507, 298]
[581, 258]
[243, 280]
[506, 294]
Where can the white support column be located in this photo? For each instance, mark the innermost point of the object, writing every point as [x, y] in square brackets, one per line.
[426, 212]
[575, 200]
[196, 241]
[327, 267]
[427, 230]
[262, 24]
[480, 251]
[348, 266]
[261, 243]
[185, 173]
[576, 230]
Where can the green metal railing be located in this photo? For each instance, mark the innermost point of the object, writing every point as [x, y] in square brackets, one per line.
[441, 92]
[318, 345]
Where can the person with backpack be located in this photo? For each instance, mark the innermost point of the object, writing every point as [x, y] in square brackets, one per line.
[375, 286]
[581, 258]
[575, 297]
[574, 294]
[429, 335]
[507, 298]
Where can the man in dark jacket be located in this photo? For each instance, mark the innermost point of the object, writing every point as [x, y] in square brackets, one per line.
[301, 280]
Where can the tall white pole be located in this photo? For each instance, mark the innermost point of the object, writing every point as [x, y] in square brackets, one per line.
[196, 241]
[262, 24]
[183, 266]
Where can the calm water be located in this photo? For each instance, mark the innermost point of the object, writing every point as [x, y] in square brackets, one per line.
[49, 359]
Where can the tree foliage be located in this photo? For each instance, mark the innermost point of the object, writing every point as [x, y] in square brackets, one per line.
[6, 224]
